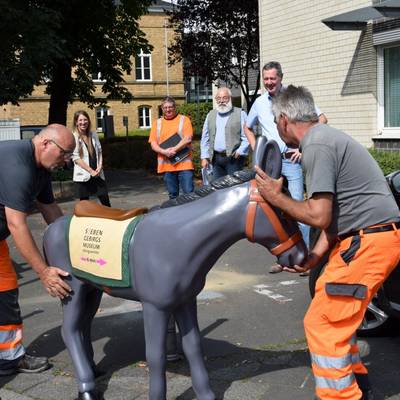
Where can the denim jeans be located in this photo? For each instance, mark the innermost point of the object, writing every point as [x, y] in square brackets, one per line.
[294, 176]
[223, 165]
[173, 180]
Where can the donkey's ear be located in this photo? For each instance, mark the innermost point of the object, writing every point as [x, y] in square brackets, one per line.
[267, 156]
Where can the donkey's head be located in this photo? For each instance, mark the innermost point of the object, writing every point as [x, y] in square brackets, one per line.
[267, 225]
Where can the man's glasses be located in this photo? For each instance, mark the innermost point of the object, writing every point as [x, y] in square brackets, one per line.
[225, 98]
[65, 153]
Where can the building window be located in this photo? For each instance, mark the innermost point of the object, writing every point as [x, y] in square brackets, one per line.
[143, 67]
[97, 77]
[144, 117]
[100, 113]
[389, 90]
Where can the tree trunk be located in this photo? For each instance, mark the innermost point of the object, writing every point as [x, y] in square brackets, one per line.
[60, 93]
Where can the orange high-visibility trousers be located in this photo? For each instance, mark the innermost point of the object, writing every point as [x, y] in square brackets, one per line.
[11, 348]
[357, 267]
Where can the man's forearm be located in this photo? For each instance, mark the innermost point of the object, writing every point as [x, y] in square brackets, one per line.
[27, 247]
[251, 137]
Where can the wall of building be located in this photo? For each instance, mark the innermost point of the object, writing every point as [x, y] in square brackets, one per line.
[339, 67]
[34, 109]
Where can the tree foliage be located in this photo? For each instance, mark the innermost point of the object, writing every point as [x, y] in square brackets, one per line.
[62, 43]
[217, 39]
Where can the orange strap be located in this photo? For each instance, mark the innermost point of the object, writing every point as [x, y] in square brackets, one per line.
[256, 199]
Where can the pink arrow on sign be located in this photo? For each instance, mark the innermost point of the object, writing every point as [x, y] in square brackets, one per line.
[101, 262]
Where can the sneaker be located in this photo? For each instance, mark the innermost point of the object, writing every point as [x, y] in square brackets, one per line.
[275, 269]
[305, 273]
[32, 364]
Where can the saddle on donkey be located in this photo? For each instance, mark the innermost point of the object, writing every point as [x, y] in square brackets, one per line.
[98, 240]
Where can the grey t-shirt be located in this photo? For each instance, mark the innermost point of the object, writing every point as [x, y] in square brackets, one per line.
[335, 163]
[21, 181]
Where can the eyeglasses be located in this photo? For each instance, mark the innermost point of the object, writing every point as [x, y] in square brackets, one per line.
[225, 98]
[65, 153]
[276, 120]
[169, 108]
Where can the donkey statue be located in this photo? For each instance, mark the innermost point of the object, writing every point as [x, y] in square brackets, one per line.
[173, 248]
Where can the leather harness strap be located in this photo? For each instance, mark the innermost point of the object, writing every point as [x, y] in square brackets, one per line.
[256, 199]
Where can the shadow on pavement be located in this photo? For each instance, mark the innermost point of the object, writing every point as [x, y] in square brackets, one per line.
[125, 348]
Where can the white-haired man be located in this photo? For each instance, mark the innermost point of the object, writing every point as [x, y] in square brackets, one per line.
[223, 142]
[350, 201]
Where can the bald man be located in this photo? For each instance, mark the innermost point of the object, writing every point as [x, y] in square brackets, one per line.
[25, 184]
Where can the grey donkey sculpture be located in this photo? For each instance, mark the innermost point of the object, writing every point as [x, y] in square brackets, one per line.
[172, 251]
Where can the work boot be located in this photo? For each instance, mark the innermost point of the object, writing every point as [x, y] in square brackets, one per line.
[32, 364]
[275, 269]
[27, 364]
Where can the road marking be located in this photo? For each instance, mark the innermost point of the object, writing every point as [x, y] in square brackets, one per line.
[263, 289]
[288, 283]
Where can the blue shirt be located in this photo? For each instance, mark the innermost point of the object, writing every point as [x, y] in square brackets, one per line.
[219, 143]
[261, 111]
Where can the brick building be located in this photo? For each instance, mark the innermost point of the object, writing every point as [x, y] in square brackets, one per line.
[149, 81]
[350, 63]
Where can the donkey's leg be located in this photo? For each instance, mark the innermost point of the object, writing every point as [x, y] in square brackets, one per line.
[186, 316]
[92, 302]
[74, 312]
[155, 329]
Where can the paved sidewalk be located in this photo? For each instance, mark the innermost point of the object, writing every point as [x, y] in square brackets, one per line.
[254, 345]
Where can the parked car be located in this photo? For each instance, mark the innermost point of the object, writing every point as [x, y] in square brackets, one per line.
[384, 309]
[29, 131]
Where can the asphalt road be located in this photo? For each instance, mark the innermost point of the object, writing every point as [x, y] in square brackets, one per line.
[251, 323]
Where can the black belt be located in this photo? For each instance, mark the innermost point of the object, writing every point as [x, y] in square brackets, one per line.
[375, 229]
[220, 153]
[287, 155]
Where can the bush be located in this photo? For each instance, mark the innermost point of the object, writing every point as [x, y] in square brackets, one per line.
[135, 153]
[389, 161]
[61, 175]
[197, 113]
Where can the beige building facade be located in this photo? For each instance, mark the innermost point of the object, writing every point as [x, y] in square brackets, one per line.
[351, 73]
[150, 80]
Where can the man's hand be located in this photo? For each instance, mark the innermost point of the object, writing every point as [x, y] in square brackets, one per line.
[170, 152]
[269, 188]
[53, 283]
[296, 156]
[311, 261]
[204, 163]
[236, 155]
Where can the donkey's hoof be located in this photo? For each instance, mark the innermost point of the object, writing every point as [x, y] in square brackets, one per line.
[91, 395]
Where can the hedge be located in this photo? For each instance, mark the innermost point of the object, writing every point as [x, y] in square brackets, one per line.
[389, 161]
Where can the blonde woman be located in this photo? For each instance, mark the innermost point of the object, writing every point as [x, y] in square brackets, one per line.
[88, 161]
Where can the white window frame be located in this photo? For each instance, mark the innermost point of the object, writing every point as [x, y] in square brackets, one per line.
[141, 56]
[103, 111]
[385, 132]
[142, 109]
[99, 78]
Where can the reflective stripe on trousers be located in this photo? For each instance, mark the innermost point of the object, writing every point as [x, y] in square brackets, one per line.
[355, 271]
[11, 346]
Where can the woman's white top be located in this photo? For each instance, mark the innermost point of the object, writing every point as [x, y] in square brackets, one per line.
[80, 174]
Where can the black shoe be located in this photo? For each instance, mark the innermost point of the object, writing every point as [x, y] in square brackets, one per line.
[31, 364]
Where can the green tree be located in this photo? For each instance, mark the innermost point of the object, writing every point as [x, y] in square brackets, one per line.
[218, 39]
[62, 43]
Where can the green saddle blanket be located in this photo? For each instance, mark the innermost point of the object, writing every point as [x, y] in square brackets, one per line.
[99, 249]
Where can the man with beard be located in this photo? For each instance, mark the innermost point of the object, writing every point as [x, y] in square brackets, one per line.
[25, 185]
[223, 142]
[261, 112]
